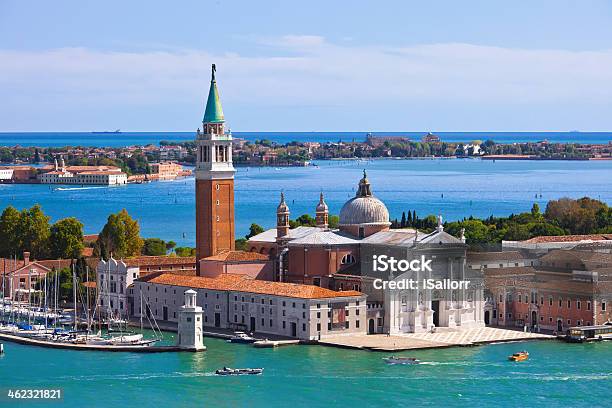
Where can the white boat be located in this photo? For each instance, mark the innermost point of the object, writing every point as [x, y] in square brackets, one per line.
[239, 371]
[241, 337]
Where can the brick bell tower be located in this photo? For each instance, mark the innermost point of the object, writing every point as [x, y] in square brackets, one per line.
[214, 176]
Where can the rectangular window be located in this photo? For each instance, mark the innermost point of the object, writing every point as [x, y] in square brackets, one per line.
[603, 306]
[578, 305]
[303, 326]
[357, 324]
[283, 324]
[318, 326]
[569, 304]
[588, 305]
[271, 323]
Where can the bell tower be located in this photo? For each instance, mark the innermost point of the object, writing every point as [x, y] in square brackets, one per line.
[214, 176]
[322, 213]
[282, 218]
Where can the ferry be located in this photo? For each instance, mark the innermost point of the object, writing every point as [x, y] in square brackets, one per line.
[520, 356]
[581, 334]
[401, 360]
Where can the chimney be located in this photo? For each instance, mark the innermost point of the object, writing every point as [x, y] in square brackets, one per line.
[26, 258]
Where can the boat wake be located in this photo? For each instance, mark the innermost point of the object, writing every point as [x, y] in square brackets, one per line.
[77, 188]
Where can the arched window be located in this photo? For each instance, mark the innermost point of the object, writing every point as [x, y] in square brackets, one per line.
[347, 259]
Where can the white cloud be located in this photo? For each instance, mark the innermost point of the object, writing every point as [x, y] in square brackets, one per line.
[306, 71]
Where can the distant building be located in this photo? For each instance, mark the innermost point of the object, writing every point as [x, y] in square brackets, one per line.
[377, 141]
[82, 175]
[240, 303]
[165, 171]
[430, 138]
[18, 174]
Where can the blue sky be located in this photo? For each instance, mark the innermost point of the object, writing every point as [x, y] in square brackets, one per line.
[307, 66]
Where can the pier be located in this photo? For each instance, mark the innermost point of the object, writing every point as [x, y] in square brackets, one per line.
[440, 339]
[92, 347]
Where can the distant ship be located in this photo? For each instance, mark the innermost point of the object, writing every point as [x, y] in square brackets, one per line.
[110, 131]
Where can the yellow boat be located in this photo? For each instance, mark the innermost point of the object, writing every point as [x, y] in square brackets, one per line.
[520, 356]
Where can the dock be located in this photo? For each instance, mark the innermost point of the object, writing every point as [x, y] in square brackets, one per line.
[443, 338]
[92, 347]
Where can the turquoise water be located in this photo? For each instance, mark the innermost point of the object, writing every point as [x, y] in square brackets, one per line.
[557, 374]
[455, 188]
[44, 139]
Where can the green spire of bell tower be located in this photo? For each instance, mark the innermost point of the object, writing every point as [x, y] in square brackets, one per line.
[214, 112]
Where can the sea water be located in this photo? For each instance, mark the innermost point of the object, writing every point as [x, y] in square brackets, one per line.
[556, 375]
[453, 188]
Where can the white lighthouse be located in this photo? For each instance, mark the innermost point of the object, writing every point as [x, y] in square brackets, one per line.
[190, 335]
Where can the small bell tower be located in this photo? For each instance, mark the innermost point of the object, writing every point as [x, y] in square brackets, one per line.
[322, 213]
[282, 218]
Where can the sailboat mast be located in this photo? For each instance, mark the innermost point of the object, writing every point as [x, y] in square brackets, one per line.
[46, 311]
[74, 296]
[29, 294]
[87, 295]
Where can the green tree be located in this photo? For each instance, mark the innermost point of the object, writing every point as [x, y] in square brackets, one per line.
[33, 232]
[170, 245]
[9, 232]
[535, 210]
[66, 239]
[254, 229]
[241, 244]
[120, 237]
[154, 247]
[333, 221]
[184, 251]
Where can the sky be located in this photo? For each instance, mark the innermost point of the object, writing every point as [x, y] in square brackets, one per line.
[307, 66]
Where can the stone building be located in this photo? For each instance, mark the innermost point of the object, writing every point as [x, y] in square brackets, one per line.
[566, 288]
[238, 302]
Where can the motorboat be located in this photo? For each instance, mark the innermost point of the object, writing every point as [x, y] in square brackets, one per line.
[239, 371]
[241, 337]
[520, 356]
[401, 360]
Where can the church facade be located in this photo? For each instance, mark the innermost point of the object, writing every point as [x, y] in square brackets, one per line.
[342, 259]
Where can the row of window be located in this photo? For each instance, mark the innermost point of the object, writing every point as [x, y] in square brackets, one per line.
[550, 302]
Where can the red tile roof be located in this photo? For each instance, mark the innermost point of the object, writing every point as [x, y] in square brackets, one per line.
[242, 283]
[238, 256]
[159, 260]
[569, 238]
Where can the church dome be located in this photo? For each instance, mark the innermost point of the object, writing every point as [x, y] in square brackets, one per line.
[364, 208]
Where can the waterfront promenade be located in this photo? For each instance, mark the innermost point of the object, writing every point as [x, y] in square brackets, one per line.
[442, 338]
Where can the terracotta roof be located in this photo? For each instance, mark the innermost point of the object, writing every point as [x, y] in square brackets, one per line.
[159, 260]
[56, 263]
[241, 283]
[237, 256]
[495, 256]
[91, 284]
[87, 252]
[90, 238]
[508, 272]
[583, 256]
[569, 238]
